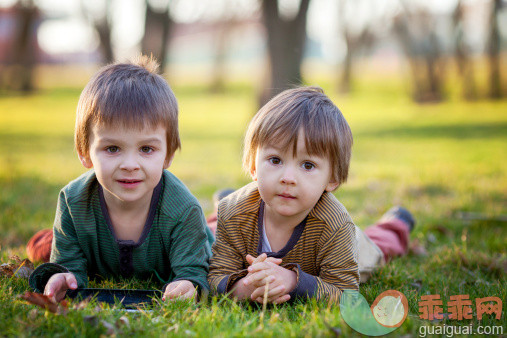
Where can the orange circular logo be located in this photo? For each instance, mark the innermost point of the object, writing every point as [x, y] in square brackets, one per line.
[390, 308]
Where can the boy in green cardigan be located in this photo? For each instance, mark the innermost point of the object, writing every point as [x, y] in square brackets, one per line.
[127, 216]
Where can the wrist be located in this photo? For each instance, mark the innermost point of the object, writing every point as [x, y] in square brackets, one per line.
[292, 279]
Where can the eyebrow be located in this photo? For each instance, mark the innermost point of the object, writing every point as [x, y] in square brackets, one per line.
[281, 149]
[275, 147]
[152, 140]
[148, 140]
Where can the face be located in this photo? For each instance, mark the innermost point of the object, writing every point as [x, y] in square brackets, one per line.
[290, 186]
[128, 163]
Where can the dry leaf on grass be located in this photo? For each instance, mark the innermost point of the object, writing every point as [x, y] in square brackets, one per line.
[21, 268]
[7, 270]
[45, 302]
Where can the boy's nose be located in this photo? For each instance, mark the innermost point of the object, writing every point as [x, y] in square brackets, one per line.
[129, 163]
[288, 176]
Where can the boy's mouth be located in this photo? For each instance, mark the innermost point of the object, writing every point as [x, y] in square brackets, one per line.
[286, 196]
[128, 182]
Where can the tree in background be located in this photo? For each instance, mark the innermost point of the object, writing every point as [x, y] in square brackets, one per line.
[225, 24]
[100, 17]
[225, 18]
[462, 53]
[157, 28]
[415, 30]
[286, 38]
[493, 48]
[359, 35]
[21, 59]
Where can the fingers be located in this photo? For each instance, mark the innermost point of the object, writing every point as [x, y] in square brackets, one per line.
[250, 259]
[274, 300]
[282, 299]
[190, 294]
[180, 289]
[260, 266]
[71, 281]
[57, 286]
[263, 257]
[174, 290]
[272, 294]
[259, 278]
[273, 260]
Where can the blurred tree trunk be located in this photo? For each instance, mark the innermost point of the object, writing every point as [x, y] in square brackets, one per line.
[286, 39]
[417, 37]
[157, 27]
[104, 30]
[20, 73]
[220, 46]
[354, 44]
[495, 91]
[461, 54]
[102, 24]
[361, 39]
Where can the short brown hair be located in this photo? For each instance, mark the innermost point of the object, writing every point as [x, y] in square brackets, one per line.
[130, 94]
[279, 121]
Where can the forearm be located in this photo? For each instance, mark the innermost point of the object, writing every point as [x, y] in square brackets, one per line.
[190, 251]
[66, 251]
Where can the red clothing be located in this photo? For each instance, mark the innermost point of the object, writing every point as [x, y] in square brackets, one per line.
[391, 237]
[212, 222]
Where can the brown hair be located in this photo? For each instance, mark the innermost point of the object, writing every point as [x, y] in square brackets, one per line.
[130, 94]
[279, 121]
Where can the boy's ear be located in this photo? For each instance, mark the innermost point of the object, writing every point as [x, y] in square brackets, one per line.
[253, 174]
[168, 161]
[332, 185]
[85, 161]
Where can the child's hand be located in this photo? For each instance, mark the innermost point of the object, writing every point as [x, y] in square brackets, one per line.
[261, 258]
[252, 285]
[281, 282]
[240, 289]
[57, 285]
[180, 289]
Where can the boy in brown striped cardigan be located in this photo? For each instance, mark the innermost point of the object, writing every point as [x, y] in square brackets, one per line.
[297, 150]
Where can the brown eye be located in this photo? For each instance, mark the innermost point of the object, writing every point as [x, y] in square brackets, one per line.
[112, 149]
[275, 160]
[146, 149]
[308, 165]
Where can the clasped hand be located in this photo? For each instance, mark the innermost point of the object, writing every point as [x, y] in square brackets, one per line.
[266, 272]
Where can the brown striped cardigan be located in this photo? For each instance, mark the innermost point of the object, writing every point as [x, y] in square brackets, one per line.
[322, 249]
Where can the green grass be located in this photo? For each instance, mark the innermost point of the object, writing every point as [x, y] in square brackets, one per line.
[438, 160]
